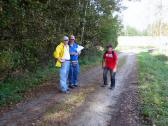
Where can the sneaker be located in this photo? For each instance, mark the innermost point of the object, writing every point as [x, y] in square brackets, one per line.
[67, 92]
[103, 85]
[111, 88]
[71, 86]
[75, 85]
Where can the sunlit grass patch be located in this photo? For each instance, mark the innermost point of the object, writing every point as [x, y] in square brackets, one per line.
[64, 109]
[58, 112]
[153, 80]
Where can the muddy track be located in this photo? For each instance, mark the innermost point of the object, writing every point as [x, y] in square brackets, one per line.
[100, 109]
[127, 112]
[104, 104]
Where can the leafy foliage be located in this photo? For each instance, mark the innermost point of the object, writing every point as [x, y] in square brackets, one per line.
[30, 29]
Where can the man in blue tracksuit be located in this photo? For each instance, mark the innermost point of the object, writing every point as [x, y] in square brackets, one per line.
[74, 65]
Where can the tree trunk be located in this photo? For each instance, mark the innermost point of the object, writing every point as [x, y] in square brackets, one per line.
[84, 21]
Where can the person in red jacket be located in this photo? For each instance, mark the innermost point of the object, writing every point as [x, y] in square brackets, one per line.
[109, 63]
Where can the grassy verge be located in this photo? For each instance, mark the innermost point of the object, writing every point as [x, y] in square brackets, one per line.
[12, 89]
[153, 80]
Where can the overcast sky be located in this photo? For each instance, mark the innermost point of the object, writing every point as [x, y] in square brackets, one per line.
[140, 14]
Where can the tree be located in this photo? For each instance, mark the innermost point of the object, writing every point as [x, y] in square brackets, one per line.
[130, 31]
[30, 29]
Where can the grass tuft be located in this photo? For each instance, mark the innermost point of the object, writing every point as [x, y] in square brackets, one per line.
[64, 109]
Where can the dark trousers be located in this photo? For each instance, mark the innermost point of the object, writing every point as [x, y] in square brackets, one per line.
[112, 76]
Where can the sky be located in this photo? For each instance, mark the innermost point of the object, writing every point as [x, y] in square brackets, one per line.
[139, 14]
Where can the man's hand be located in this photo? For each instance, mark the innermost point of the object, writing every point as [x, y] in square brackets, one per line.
[61, 60]
[115, 69]
[103, 64]
[79, 52]
[74, 54]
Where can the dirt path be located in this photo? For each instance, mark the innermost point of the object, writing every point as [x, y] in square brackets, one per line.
[28, 112]
[127, 111]
[101, 108]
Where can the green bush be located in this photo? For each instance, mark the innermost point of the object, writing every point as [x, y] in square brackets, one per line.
[6, 61]
[10, 60]
[162, 57]
[12, 89]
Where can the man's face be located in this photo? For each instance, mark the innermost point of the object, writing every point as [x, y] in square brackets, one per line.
[65, 42]
[72, 40]
[110, 49]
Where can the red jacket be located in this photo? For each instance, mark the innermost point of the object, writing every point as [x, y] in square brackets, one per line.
[110, 59]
